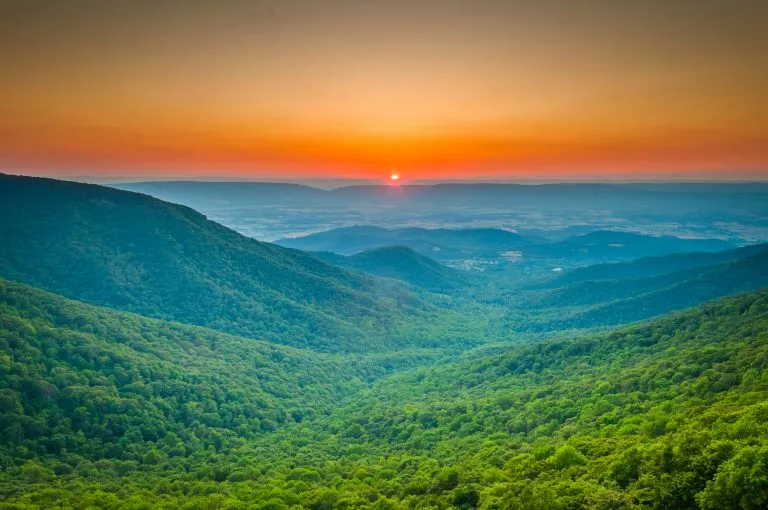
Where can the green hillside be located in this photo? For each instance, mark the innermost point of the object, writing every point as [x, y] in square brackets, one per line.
[652, 266]
[136, 253]
[404, 264]
[666, 414]
[596, 303]
[69, 368]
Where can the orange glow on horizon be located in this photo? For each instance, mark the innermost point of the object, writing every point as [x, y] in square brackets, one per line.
[75, 151]
[438, 90]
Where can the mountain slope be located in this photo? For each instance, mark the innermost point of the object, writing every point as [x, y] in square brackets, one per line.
[665, 414]
[595, 291]
[69, 368]
[140, 254]
[622, 301]
[709, 283]
[403, 264]
[653, 266]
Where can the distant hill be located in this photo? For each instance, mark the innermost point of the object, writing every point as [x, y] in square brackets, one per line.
[610, 302]
[439, 243]
[206, 195]
[606, 245]
[684, 196]
[136, 253]
[403, 264]
[654, 266]
[709, 283]
[451, 245]
[671, 197]
[271, 211]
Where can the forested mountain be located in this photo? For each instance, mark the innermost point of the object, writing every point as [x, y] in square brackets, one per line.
[81, 378]
[136, 253]
[652, 266]
[438, 243]
[615, 245]
[403, 264]
[747, 271]
[610, 302]
[666, 414]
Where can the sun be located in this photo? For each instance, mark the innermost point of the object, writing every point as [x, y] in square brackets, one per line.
[394, 177]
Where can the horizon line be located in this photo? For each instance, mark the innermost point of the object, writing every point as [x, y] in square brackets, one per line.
[351, 181]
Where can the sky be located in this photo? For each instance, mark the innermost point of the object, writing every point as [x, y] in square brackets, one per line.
[429, 89]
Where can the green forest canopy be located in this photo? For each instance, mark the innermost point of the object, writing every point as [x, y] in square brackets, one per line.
[114, 410]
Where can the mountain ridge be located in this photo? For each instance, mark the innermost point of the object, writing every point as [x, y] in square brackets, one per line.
[136, 253]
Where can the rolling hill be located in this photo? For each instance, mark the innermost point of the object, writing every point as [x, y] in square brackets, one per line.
[587, 304]
[403, 264]
[665, 414]
[70, 368]
[682, 199]
[652, 266]
[167, 384]
[608, 245]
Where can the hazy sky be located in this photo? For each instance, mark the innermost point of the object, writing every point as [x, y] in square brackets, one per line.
[361, 88]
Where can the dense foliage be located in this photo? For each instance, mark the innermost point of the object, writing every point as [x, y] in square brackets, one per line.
[667, 414]
[84, 380]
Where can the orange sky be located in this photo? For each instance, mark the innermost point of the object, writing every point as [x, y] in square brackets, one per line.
[359, 88]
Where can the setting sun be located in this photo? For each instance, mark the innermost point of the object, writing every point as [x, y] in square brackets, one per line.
[394, 177]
